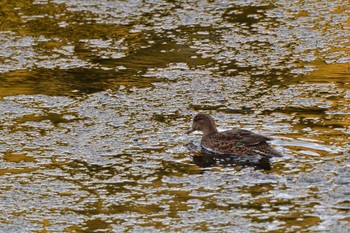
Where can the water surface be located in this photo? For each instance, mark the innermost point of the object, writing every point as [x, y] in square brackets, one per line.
[95, 98]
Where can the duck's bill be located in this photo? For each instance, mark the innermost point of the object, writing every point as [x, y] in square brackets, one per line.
[189, 131]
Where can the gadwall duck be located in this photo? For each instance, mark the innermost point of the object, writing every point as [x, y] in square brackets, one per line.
[238, 142]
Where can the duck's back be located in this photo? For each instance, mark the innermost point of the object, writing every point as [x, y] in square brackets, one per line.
[238, 142]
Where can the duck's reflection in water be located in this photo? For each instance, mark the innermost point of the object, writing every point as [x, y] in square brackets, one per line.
[209, 160]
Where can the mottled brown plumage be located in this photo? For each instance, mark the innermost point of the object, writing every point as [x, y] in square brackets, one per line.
[236, 141]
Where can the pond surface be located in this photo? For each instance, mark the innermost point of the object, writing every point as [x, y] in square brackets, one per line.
[95, 98]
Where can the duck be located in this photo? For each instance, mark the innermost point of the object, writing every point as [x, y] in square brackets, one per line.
[238, 142]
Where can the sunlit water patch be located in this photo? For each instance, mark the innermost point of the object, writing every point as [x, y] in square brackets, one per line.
[96, 97]
[44, 42]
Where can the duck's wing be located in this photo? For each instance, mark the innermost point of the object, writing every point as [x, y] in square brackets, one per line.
[246, 137]
[232, 140]
[239, 142]
[242, 136]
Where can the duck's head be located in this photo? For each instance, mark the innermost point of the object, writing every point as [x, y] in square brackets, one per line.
[203, 122]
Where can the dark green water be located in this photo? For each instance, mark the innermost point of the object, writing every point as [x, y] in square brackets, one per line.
[95, 97]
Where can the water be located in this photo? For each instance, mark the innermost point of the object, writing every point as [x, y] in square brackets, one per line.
[95, 98]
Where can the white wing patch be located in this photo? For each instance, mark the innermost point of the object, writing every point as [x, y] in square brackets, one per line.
[212, 151]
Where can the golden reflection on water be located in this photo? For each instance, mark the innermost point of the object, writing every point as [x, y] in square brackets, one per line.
[10, 157]
[335, 73]
[95, 98]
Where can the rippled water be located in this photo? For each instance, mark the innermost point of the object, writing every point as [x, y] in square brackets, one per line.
[95, 98]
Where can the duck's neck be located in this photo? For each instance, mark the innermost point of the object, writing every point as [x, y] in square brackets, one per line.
[210, 129]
